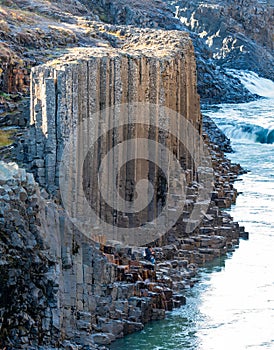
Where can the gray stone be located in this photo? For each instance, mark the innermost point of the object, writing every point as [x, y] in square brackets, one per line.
[102, 338]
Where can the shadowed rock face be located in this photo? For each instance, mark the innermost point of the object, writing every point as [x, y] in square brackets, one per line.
[29, 282]
[239, 34]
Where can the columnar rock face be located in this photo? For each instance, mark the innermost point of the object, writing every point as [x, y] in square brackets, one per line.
[158, 68]
[60, 288]
[91, 91]
[93, 100]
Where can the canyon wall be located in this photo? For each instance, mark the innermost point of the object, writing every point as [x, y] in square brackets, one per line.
[73, 289]
[94, 100]
[239, 34]
[65, 284]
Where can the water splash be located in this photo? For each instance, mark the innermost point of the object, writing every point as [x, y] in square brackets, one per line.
[250, 132]
[254, 83]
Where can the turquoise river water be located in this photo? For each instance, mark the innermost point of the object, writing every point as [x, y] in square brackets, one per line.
[232, 305]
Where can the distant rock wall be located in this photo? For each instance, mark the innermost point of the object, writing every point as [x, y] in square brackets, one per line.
[239, 34]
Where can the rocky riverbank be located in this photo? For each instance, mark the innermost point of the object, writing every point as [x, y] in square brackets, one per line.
[130, 291]
[58, 288]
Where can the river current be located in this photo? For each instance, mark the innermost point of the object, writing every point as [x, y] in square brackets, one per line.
[232, 306]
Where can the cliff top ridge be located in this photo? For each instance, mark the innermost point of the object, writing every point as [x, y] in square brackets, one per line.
[132, 42]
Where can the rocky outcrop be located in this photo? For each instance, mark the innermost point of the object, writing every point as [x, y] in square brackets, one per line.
[215, 135]
[153, 70]
[63, 289]
[59, 290]
[239, 34]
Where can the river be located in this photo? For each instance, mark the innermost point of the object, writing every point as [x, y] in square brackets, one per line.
[232, 306]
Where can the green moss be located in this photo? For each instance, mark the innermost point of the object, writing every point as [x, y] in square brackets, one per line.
[6, 137]
[6, 96]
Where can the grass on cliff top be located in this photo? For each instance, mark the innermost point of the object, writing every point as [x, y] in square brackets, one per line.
[6, 137]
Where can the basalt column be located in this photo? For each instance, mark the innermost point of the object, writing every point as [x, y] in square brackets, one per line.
[96, 100]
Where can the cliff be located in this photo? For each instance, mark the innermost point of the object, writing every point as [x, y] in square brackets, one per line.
[113, 156]
[72, 279]
[238, 34]
[151, 67]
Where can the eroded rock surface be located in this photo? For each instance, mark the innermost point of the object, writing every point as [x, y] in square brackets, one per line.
[239, 34]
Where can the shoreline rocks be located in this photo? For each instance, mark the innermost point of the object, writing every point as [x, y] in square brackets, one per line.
[135, 291]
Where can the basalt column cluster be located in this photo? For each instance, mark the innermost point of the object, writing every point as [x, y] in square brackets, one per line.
[66, 282]
[93, 100]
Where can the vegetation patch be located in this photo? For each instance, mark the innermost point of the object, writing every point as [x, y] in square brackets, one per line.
[6, 137]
